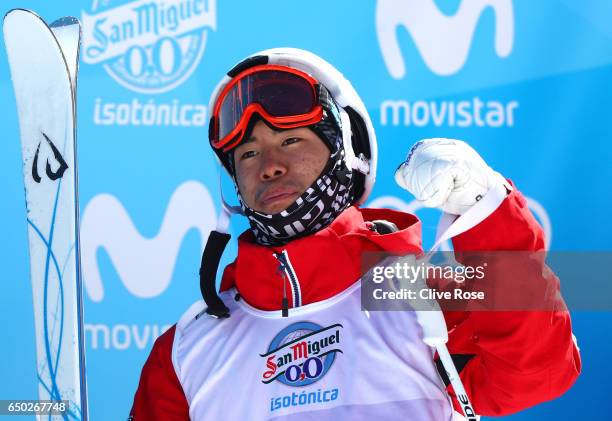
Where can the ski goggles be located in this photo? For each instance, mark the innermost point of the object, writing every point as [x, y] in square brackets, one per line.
[285, 97]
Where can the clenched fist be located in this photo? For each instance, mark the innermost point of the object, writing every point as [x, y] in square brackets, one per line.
[446, 174]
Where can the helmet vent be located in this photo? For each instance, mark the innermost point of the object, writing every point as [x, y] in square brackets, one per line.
[246, 64]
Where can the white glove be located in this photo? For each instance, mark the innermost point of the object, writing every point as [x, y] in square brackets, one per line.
[446, 174]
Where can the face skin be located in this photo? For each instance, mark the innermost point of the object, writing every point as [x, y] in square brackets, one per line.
[273, 168]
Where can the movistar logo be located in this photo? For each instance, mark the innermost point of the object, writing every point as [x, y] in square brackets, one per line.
[144, 265]
[442, 41]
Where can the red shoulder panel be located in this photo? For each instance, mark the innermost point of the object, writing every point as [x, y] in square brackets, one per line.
[160, 396]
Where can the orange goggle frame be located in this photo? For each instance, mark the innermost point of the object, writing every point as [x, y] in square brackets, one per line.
[285, 97]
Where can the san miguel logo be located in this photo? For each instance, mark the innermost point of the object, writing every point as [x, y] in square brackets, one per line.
[61, 164]
[301, 353]
[148, 46]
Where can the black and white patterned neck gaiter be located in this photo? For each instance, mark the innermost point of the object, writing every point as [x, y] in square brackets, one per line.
[316, 208]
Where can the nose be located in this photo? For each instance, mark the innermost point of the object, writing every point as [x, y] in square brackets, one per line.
[272, 166]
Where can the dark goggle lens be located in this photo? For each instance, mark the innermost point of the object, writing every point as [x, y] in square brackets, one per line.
[281, 94]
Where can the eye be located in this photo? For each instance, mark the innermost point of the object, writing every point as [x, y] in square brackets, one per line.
[248, 154]
[291, 140]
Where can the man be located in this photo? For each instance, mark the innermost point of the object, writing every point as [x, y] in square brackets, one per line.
[286, 338]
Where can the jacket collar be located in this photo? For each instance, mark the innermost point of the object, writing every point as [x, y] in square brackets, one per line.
[323, 264]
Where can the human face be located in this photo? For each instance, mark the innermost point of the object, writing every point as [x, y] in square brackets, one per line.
[273, 168]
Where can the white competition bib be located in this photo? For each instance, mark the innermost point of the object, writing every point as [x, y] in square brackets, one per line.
[326, 361]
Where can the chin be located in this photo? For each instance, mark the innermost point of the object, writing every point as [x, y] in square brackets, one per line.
[277, 207]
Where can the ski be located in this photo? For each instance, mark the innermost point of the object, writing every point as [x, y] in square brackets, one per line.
[43, 61]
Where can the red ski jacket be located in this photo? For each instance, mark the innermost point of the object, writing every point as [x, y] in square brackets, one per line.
[508, 360]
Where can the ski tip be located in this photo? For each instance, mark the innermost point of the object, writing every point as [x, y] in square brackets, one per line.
[19, 11]
[65, 21]
[15, 17]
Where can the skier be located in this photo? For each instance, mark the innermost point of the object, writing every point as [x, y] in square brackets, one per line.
[286, 337]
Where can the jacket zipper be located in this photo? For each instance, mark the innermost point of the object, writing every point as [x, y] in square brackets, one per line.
[286, 269]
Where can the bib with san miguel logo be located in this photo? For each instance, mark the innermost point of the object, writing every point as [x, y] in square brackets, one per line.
[328, 360]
